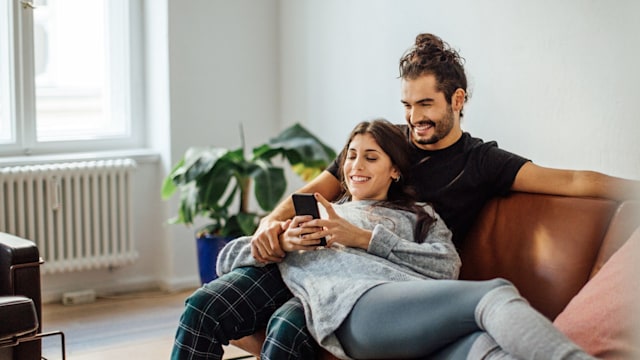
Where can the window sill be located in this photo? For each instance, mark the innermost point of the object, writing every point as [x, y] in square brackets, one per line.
[139, 155]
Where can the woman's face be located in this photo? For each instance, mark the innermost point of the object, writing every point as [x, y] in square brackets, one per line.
[368, 170]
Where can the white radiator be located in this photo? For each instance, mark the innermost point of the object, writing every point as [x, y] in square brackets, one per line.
[79, 214]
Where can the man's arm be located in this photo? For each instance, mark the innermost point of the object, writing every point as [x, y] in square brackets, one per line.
[325, 184]
[537, 179]
[265, 245]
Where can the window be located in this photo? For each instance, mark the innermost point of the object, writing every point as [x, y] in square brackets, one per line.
[6, 128]
[67, 75]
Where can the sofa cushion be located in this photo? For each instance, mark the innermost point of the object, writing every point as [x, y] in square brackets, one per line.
[603, 317]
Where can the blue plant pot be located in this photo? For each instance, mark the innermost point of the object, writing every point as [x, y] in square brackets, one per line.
[209, 247]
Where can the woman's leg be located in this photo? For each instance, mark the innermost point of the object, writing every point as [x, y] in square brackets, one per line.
[230, 307]
[459, 349]
[519, 329]
[287, 335]
[412, 319]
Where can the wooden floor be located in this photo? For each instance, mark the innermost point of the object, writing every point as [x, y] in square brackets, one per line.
[132, 326]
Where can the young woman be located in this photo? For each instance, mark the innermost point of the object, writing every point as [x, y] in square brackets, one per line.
[377, 234]
[364, 294]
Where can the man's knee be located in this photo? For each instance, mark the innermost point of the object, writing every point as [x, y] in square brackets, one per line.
[288, 320]
[287, 334]
[241, 290]
[254, 284]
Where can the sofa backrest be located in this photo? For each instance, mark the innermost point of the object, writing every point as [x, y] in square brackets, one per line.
[548, 246]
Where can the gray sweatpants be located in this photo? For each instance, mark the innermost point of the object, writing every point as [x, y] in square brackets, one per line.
[451, 319]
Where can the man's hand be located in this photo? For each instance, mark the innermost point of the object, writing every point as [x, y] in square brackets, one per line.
[299, 236]
[265, 243]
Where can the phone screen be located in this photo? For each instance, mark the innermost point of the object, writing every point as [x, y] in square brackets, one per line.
[306, 204]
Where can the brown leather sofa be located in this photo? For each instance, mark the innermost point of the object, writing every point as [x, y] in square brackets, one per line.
[548, 246]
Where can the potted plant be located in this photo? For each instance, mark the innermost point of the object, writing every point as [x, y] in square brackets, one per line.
[216, 183]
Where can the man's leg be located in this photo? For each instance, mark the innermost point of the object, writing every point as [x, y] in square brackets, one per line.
[230, 307]
[287, 335]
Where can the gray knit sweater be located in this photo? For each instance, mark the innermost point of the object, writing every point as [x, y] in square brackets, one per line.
[330, 281]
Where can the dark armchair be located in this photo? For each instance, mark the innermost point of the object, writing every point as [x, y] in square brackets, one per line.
[20, 300]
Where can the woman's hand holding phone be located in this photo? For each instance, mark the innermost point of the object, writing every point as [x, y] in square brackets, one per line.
[306, 206]
[335, 228]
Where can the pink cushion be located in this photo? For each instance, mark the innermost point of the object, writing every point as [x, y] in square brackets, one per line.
[603, 317]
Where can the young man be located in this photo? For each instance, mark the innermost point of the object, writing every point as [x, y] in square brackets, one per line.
[452, 170]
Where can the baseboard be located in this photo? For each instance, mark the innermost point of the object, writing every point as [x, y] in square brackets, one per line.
[179, 284]
[135, 285]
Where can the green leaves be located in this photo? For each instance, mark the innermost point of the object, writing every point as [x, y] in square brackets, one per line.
[270, 184]
[211, 180]
[298, 146]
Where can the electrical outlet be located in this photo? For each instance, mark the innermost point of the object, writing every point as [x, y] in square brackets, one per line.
[79, 297]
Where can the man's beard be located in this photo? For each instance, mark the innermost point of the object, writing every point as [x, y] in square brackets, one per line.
[442, 129]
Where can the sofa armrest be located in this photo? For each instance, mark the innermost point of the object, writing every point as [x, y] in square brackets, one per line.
[19, 267]
[15, 252]
[18, 318]
[625, 221]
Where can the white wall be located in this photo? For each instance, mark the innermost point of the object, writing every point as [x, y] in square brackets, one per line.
[223, 73]
[553, 81]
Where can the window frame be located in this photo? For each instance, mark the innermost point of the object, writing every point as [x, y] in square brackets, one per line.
[22, 91]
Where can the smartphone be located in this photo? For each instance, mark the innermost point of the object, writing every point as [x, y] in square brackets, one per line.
[306, 204]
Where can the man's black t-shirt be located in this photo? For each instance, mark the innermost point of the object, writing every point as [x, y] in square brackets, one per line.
[460, 179]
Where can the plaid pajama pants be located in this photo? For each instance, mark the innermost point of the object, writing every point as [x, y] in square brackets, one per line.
[287, 335]
[239, 304]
